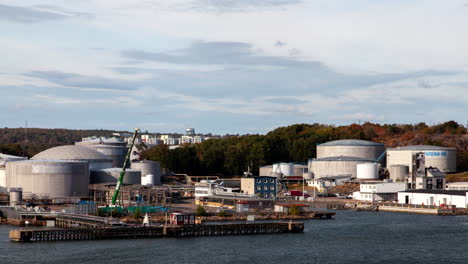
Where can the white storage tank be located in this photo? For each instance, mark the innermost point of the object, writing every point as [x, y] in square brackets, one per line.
[148, 167]
[143, 179]
[286, 169]
[367, 171]
[300, 169]
[265, 170]
[399, 172]
[308, 176]
[149, 179]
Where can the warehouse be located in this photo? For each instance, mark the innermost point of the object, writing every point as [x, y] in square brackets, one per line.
[439, 157]
[434, 197]
[351, 148]
[49, 178]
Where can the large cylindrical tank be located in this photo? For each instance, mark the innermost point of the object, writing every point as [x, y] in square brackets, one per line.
[149, 179]
[335, 166]
[265, 170]
[368, 171]
[3, 188]
[16, 196]
[350, 148]
[399, 172]
[116, 153]
[111, 175]
[308, 176]
[49, 178]
[148, 167]
[442, 158]
[300, 169]
[286, 169]
[96, 160]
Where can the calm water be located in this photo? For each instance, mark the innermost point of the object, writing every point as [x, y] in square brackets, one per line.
[353, 237]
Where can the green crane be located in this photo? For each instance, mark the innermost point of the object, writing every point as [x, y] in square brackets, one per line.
[122, 173]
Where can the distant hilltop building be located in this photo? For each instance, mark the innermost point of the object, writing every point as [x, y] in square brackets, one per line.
[190, 137]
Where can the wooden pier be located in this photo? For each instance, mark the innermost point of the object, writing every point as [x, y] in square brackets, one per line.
[155, 232]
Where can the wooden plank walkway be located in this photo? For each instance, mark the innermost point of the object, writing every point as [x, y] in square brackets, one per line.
[155, 232]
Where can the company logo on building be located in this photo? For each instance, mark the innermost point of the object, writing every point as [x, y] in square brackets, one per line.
[436, 153]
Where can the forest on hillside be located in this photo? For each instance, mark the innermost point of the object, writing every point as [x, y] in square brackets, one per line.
[297, 143]
[233, 154]
[21, 142]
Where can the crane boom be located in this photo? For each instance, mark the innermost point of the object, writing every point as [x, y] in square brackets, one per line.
[122, 173]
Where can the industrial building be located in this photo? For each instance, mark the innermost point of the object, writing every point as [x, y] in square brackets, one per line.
[379, 191]
[336, 166]
[114, 148]
[438, 157]
[434, 198]
[364, 149]
[49, 178]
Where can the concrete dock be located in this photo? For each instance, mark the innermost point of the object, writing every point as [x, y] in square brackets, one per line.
[155, 232]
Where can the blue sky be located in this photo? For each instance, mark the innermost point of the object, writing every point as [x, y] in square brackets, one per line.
[231, 66]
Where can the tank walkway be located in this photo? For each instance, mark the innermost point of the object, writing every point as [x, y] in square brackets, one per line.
[155, 232]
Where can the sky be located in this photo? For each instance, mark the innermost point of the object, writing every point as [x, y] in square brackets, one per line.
[231, 66]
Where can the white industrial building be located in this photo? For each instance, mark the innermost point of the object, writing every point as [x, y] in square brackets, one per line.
[434, 198]
[325, 183]
[379, 191]
[439, 157]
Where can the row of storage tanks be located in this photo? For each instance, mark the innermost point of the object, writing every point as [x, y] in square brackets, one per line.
[361, 159]
[66, 171]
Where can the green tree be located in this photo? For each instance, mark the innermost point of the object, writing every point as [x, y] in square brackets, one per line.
[201, 211]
